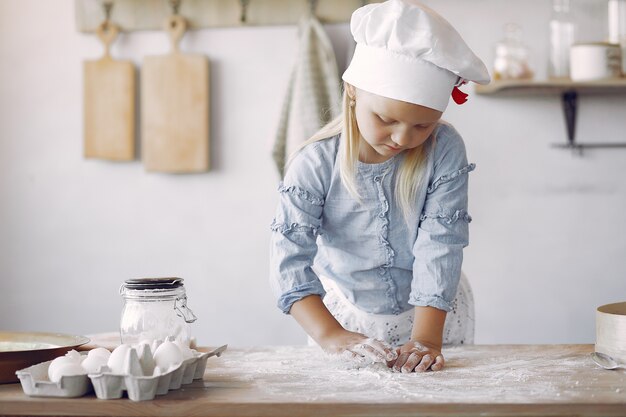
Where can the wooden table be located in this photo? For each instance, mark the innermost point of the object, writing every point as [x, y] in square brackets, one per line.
[482, 380]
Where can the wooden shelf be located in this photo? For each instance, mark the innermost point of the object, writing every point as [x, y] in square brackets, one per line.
[520, 87]
[569, 91]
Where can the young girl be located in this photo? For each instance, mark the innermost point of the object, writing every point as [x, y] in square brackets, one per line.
[368, 237]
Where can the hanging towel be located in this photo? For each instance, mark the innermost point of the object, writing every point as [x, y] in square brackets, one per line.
[349, 50]
[313, 94]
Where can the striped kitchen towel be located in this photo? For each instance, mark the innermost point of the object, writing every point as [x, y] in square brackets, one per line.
[313, 94]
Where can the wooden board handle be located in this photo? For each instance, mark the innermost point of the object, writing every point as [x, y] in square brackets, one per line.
[107, 32]
[175, 26]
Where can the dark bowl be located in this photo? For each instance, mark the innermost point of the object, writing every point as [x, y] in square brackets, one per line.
[28, 348]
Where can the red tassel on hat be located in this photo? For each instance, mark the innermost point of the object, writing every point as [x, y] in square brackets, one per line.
[458, 96]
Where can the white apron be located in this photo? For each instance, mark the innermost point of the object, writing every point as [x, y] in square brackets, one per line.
[396, 329]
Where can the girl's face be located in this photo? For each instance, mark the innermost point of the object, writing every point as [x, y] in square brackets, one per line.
[390, 126]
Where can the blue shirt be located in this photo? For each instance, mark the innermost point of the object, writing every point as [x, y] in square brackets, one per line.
[382, 263]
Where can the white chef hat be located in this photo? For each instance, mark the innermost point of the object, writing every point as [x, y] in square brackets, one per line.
[406, 51]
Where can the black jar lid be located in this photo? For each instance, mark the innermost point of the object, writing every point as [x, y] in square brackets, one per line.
[153, 283]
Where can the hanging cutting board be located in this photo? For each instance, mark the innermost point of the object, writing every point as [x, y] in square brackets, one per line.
[109, 103]
[175, 108]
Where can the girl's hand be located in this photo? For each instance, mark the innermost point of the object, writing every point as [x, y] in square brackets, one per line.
[357, 347]
[416, 356]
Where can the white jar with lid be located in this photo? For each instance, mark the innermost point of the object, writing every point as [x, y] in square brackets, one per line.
[155, 309]
[617, 27]
[595, 61]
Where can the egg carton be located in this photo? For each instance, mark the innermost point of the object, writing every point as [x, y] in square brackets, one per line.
[138, 379]
[35, 382]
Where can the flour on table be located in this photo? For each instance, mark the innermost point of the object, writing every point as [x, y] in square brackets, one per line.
[308, 374]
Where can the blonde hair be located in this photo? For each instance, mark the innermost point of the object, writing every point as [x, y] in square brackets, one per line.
[410, 173]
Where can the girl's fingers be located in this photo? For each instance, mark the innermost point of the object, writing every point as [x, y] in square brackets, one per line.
[417, 360]
[346, 354]
[387, 351]
[425, 363]
[369, 352]
[438, 365]
[376, 350]
[402, 358]
[351, 356]
[395, 354]
[413, 360]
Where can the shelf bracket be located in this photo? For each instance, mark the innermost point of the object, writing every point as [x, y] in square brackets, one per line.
[569, 101]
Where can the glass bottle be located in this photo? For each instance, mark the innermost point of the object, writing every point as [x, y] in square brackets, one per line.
[562, 34]
[155, 309]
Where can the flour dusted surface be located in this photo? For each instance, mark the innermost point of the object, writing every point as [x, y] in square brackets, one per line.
[473, 374]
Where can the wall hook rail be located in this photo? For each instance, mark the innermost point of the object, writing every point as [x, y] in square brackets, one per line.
[138, 15]
[175, 6]
[107, 8]
[243, 4]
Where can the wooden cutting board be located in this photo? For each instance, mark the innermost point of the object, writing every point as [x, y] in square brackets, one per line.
[175, 108]
[109, 103]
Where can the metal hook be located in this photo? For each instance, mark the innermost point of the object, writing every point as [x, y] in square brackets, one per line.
[312, 6]
[243, 18]
[175, 5]
[107, 7]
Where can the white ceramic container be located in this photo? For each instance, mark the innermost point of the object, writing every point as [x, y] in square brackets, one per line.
[611, 330]
[595, 61]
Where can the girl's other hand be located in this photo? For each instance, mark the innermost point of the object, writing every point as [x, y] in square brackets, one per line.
[416, 356]
[357, 347]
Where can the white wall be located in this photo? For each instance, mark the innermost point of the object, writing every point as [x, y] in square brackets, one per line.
[547, 243]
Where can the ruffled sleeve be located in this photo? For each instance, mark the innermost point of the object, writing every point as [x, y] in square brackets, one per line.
[444, 225]
[296, 226]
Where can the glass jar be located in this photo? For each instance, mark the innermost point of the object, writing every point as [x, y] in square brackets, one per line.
[155, 309]
[511, 56]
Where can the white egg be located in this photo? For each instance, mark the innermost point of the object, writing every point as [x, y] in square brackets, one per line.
[117, 359]
[155, 344]
[102, 352]
[74, 356]
[184, 348]
[93, 363]
[168, 355]
[56, 363]
[66, 369]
